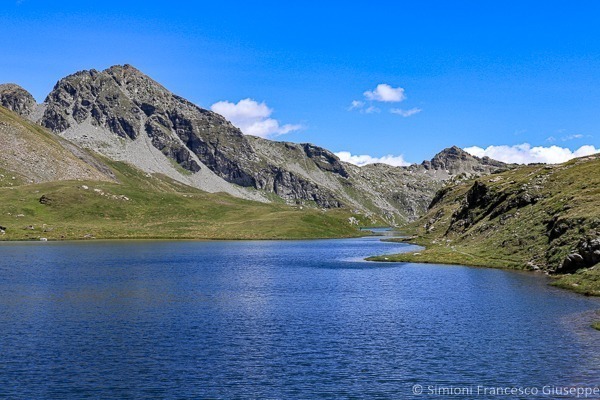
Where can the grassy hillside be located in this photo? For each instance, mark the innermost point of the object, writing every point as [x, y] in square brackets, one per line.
[31, 154]
[535, 217]
[51, 189]
[156, 207]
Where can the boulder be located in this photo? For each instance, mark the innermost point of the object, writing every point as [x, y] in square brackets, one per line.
[586, 255]
[46, 200]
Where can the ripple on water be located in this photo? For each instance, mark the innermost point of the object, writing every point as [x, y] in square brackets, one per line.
[297, 319]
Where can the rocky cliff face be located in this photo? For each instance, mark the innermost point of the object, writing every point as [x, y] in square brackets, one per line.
[125, 115]
[17, 99]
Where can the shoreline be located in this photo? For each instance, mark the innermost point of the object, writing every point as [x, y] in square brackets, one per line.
[439, 256]
[359, 234]
[177, 239]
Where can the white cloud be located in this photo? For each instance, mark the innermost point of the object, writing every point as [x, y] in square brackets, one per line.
[405, 113]
[253, 118]
[360, 160]
[360, 106]
[567, 138]
[525, 154]
[356, 104]
[386, 93]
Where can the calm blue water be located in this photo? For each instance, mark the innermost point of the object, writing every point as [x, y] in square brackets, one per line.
[280, 319]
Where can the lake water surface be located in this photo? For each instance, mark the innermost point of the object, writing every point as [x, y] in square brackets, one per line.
[277, 319]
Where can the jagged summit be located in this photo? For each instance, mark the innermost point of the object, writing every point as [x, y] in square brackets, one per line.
[17, 99]
[456, 161]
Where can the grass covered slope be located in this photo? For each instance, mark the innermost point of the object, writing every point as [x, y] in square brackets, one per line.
[31, 154]
[50, 188]
[153, 207]
[537, 217]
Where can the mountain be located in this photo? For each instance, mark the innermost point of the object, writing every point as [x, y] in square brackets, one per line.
[126, 116]
[537, 217]
[455, 161]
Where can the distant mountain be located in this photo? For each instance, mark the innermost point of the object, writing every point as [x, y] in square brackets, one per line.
[126, 116]
[456, 161]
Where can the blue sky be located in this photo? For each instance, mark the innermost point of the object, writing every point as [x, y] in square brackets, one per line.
[473, 73]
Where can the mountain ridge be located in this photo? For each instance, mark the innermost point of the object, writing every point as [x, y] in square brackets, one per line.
[125, 115]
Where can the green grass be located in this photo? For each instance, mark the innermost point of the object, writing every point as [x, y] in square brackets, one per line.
[179, 168]
[451, 256]
[157, 207]
[585, 281]
[6, 178]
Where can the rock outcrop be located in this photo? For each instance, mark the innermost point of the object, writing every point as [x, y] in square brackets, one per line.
[17, 99]
[587, 255]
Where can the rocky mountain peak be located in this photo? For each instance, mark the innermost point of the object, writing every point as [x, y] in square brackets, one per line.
[455, 161]
[95, 108]
[17, 99]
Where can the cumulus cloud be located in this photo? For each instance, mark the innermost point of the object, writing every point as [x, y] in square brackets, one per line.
[253, 118]
[405, 113]
[383, 93]
[525, 154]
[360, 160]
[386, 93]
